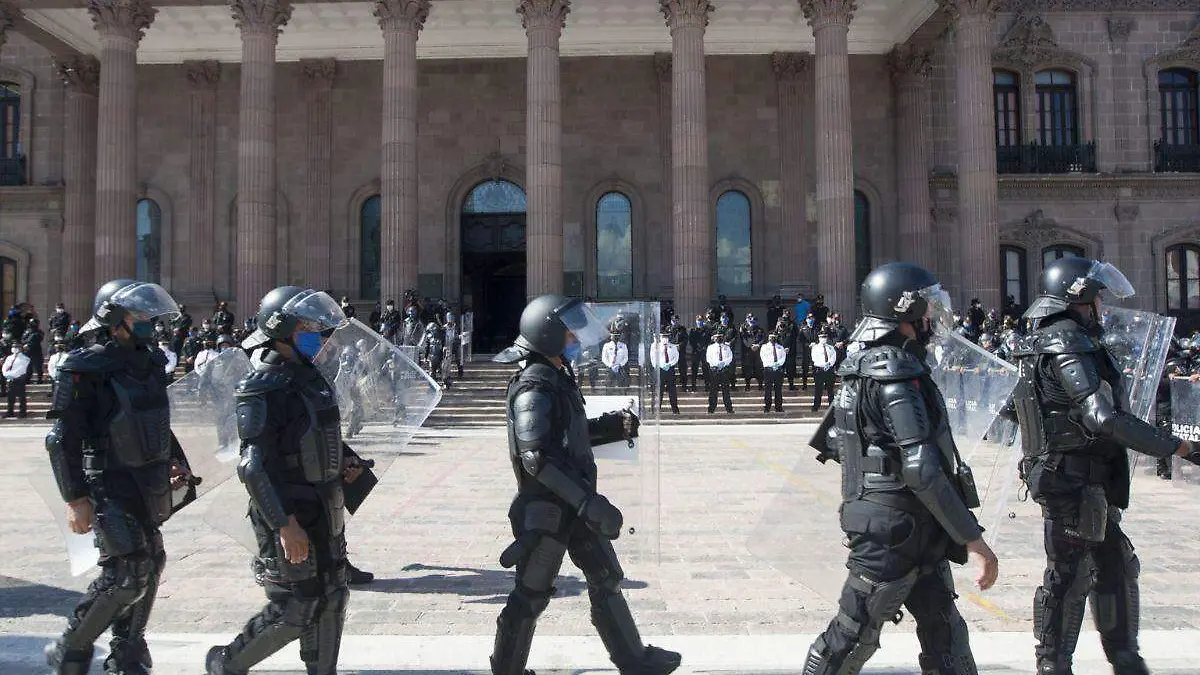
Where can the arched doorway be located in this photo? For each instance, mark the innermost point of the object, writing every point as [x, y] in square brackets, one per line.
[493, 262]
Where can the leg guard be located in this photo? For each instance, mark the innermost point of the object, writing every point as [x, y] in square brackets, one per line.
[284, 618]
[321, 641]
[853, 636]
[122, 582]
[63, 661]
[128, 653]
[518, 619]
[945, 645]
[1115, 601]
[1058, 604]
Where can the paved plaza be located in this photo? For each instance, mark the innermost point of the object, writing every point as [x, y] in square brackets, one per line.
[434, 529]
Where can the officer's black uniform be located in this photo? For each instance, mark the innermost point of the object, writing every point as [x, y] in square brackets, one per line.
[699, 338]
[1074, 434]
[807, 336]
[904, 512]
[786, 330]
[1175, 367]
[557, 509]
[752, 336]
[678, 335]
[292, 464]
[112, 444]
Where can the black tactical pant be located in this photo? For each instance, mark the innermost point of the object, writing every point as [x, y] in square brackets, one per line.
[720, 380]
[897, 558]
[773, 389]
[546, 532]
[789, 365]
[17, 397]
[806, 364]
[681, 368]
[668, 385]
[751, 366]
[699, 368]
[1088, 558]
[823, 383]
[131, 563]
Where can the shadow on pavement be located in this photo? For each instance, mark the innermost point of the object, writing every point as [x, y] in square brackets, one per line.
[487, 586]
[20, 598]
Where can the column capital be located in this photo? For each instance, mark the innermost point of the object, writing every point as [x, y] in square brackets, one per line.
[266, 17]
[80, 74]
[318, 73]
[402, 15]
[8, 17]
[790, 65]
[822, 13]
[544, 13]
[684, 13]
[662, 65]
[1126, 212]
[958, 9]
[910, 63]
[1119, 28]
[203, 75]
[122, 18]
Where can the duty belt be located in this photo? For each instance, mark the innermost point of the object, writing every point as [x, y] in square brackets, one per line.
[1094, 468]
[885, 466]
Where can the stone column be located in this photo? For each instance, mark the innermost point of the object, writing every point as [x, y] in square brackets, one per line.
[792, 75]
[663, 238]
[120, 24]
[318, 76]
[836, 280]
[401, 21]
[260, 22]
[81, 78]
[543, 21]
[911, 68]
[977, 210]
[692, 235]
[195, 242]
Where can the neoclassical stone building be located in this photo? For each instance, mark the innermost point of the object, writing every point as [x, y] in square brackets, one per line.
[486, 150]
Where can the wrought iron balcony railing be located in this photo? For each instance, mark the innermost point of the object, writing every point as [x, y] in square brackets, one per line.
[12, 171]
[1038, 158]
[1170, 157]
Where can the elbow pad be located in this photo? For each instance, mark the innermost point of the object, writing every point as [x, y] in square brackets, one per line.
[904, 412]
[67, 474]
[531, 420]
[260, 487]
[922, 473]
[1101, 418]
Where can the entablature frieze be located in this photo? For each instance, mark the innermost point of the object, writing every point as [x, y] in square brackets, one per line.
[1106, 186]
[32, 199]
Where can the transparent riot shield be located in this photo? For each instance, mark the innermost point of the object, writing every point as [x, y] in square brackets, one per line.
[1185, 423]
[383, 396]
[203, 422]
[466, 350]
[1138, 343]
[805, 513]
[615, 378]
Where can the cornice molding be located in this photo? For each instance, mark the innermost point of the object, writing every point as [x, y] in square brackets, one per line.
[1112, 187]
[1093, 5]
[31, 199]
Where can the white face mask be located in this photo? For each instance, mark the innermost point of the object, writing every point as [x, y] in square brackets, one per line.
[15, 350]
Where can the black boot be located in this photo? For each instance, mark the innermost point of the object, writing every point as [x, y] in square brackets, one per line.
[357, 577]
[656, 661]
[1129, 663]
[217, 662]
[68, 662]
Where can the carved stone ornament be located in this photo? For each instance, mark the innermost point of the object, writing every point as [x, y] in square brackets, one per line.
[944, 214]
[79, 74]
[318, 72]
[495, 165]
[1119, 29]
[1126, 212]
[122, 18]
[1093, 5]
[405, 15]
[544, 13]
[1188, 51]
[956, 9]
[261, 16]
[1030, 43]
[662, 65]
[686, 12]
[203, 74]
[8, 17]
[790, 65]
[910, 62]
[821, 13]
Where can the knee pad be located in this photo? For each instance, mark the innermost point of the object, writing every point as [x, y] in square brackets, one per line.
[300, 611]
[129, 577]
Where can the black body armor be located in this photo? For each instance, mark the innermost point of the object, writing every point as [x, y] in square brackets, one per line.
[551, 397]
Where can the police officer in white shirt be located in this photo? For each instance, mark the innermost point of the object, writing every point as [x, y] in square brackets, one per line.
[172, 359]
[16, 370]
[774, 358]
[55, 360]
[665, 357]
[824, 360]
[720, 372]
[616, 359]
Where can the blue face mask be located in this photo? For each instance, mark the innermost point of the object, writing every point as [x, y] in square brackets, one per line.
[699, 324]
[571, 352]
[308, 344]
[143, 330]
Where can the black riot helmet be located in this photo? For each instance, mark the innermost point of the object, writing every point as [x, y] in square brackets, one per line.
[901, 292]
[290, 309]
[1070, 281]
[544, 326]
[121, 298]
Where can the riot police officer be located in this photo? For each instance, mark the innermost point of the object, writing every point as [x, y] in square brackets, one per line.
[1069, 402]
[293, 464]
[752, 337]
[901, 473]
[699, 338]
[116, 463]
[558, 508]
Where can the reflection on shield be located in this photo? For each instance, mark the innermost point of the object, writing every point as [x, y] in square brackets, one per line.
[82, 554]
[804, 516]
[628, 476]
[1185, 423]
[1138, 343]
[383, 397]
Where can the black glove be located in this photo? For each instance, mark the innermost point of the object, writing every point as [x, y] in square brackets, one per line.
[601, 516]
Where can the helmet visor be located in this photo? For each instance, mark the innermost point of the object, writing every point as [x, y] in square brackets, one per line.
[146, 301]
[583, 322]
[315, 311]
[1112, 279]
[940, 310]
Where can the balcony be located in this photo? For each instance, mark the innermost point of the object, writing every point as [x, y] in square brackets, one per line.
[12, 170]
[1038, 158]
[1176, 158]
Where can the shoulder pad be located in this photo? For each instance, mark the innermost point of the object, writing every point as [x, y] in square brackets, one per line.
[1062, 337]
[538, 372]
[264, 378]
[883, 363]
[88, 360]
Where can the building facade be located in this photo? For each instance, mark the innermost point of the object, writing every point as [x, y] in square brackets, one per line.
[488, 150]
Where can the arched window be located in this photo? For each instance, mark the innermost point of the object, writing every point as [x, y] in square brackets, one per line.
[495, 196]
[149, 240]
[1008, 108]
[8, 283]
[733, 244]
[1012, 264]
[862, 237]
[1183, 277]
[370, 253]
[1178, 90]
[12, 163]
[1052, 253]
[614, 246]
[1058, 119]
